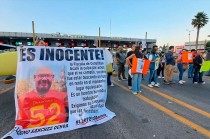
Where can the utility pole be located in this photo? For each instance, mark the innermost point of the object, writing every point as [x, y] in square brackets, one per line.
[99, 38]
[189, 31]
[146, 41]
[33, 32]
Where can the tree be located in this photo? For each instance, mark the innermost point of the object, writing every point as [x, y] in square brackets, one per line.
[208, 52]
[165, 48]
[208, 45]
[198, 22]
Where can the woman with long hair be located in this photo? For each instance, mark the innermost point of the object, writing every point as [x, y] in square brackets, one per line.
[136, 78]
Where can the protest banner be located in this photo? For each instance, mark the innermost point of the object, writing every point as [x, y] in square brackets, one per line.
[144, 44]
[157, 63]
[140, 66]
[59, 89]
[187, 57]
[205, 66]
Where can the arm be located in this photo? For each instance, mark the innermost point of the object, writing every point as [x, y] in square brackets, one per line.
[128, 60]
[150, 58]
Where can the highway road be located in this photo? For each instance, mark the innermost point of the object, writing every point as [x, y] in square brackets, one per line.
[169, 112]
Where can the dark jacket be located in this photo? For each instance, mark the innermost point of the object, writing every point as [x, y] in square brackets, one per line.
[197, 61]
[170, 58]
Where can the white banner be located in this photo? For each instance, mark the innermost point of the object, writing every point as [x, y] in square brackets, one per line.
[59, 89]
[144, 44]
[140, 65]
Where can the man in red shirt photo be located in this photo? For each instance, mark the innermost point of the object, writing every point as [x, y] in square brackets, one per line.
[42, 106]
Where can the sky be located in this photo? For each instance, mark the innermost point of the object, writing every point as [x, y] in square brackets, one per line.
[167, 21]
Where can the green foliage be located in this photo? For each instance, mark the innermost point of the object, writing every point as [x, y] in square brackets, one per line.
[200, 20]
[208, 45]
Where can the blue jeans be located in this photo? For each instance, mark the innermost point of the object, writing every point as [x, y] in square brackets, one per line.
[190, 71]
[181, 71]
[136, 83]
[197, 75]
[152, 73]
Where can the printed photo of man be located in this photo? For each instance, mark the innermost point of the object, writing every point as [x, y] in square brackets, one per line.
[43, 105]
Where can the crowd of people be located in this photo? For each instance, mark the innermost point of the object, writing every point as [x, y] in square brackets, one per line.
[162, 65]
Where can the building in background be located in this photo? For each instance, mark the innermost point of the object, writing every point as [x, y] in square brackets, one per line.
[191, 45]
[58, 39]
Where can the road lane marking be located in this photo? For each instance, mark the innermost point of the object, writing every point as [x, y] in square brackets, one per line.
[6, 90]
[202, 112]
[169, 112]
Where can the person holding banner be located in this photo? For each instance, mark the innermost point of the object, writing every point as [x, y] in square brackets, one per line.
[39, 42]
[133, 48]
[42, 106]
[154, 62]
[120, 57]
[180, 66]
[197, 63]
[109, 67]
[136, 78]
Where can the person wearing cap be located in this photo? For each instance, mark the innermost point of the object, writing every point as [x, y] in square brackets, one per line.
[197, 63]
[120, 57]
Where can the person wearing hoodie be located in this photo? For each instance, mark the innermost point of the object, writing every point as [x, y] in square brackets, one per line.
[197, 63]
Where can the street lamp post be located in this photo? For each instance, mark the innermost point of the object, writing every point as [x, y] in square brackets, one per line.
[189, 31]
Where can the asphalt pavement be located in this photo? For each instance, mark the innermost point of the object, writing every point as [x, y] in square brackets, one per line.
[169, 112]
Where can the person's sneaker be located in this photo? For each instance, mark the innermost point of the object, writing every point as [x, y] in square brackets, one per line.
[195, 82]
[112, 84]
[159, 77]
[156, 85]
[140, 92]
[180, 82]
[163, 77]
[124, 79]
[150, 85]
[129, 87]
[202, 82]
[135, 93]
[183, 81]
[119, 80]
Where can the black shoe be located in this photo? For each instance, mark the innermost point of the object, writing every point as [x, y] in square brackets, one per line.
[165, 82]
[172, 82]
